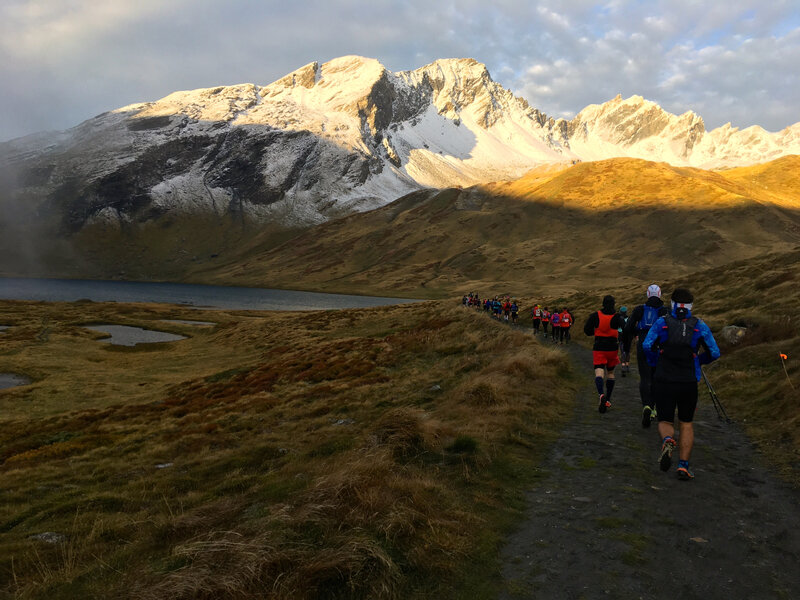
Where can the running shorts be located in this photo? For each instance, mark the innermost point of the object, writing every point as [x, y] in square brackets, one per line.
[670, 395]
[605, 358]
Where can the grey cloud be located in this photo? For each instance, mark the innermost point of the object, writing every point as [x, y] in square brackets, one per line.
[679, 53]
[717, 65]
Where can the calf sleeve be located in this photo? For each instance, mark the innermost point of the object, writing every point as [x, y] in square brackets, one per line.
[598, 382]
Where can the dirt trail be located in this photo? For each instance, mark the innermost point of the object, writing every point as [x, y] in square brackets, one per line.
[604, 522]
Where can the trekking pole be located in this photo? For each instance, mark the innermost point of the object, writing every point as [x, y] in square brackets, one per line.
[721, 413]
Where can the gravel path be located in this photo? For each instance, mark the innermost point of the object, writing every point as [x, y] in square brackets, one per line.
[604, 522]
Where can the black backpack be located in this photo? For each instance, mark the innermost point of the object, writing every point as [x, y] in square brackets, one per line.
[676, 354]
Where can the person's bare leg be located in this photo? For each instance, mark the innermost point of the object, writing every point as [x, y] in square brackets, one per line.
[686, 440]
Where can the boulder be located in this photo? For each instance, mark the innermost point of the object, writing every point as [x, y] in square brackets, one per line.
[732, 334]
[49, 537]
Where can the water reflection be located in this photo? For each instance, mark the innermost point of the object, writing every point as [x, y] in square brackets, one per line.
[125, 335]
[10, 380]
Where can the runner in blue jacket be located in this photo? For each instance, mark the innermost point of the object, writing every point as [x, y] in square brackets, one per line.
[678, 338]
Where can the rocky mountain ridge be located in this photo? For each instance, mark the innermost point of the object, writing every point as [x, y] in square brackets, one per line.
[331, 139]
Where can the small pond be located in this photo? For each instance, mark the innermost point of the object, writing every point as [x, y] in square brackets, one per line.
[183, 322]
[125, 335]
[10, 380]
[3, 328]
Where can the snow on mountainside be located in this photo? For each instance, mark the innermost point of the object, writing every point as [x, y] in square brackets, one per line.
[338, 137]
[637, 128]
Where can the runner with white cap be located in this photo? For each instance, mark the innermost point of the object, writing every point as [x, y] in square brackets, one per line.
[642, 318]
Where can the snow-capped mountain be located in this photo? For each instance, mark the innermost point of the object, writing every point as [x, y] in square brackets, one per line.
[637, 128]
[338, 137]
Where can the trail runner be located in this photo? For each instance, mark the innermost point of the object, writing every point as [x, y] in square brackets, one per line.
[536, 316]
[603, 325]
[566, 324]
[555, 324]
[642, 319]
[678, 337]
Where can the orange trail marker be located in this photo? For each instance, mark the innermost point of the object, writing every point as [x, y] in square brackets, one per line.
[783, 363]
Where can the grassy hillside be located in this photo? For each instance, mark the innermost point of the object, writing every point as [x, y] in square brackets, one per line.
[552, 232]
[778, 180]
[356, 453]
[556, 230]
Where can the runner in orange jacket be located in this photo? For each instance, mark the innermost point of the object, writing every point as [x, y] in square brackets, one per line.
[566, 324]
[604, 325]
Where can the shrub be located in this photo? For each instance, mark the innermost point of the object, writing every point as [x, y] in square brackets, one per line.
[463, 444]
[481, 392]
[400, 431]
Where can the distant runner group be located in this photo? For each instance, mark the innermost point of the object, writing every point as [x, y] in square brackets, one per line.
[558, 321]
[671, 347]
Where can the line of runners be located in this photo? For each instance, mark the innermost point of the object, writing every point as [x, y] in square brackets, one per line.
[558, 321]
[671, 347]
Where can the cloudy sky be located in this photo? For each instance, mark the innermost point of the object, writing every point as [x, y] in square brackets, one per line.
[63, 61]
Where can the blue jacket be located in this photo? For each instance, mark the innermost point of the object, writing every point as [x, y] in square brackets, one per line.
[658, 335]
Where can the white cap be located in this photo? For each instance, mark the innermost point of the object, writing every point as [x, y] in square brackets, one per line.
[654, 290]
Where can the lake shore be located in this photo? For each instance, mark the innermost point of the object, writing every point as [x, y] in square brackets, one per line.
[195, 295]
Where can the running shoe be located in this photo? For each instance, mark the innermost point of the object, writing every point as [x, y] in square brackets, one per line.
[684, 473]
[604, 404]
[647, 416]
[665, 458]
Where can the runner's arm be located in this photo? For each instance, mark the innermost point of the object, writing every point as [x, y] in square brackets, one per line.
[630, 326]
[652, 335]
[710, 344]
[592, 323]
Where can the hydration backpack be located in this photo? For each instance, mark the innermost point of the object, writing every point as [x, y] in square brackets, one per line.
[649, 317]
[676, 355]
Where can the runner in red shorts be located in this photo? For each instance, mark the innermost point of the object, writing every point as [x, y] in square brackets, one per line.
[604, 326]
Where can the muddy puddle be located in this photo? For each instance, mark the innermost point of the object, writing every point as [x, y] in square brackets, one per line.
[125, 335]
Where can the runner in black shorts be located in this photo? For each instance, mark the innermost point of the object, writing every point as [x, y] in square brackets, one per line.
[676, 394]
[678, 338]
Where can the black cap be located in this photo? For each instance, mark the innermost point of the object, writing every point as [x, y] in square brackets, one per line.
[682, 296]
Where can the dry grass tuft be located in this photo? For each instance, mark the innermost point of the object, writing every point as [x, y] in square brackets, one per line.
[769, 329]
[228, 565]
[400, 431]
[484, 392]
[521, 366]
